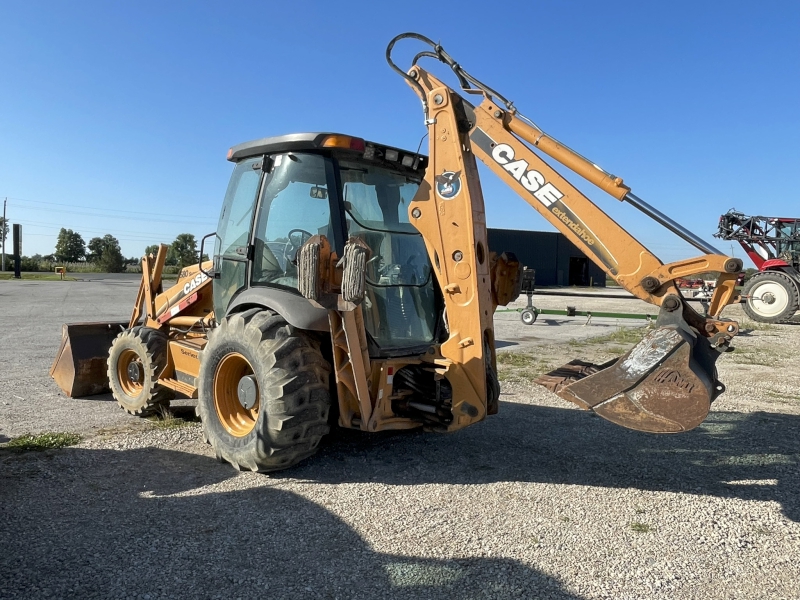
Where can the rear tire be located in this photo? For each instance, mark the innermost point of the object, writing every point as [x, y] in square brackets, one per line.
[136, 359]
[772, 297]
[263, 392]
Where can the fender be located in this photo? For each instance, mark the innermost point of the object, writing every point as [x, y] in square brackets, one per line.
[297, 311]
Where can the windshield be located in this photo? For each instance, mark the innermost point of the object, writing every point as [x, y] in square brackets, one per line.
[294, 207]
[399, 308]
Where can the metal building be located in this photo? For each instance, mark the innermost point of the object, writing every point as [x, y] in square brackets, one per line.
[557, 260]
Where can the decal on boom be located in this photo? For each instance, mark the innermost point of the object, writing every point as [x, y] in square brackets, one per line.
[448, 184]
[545, 192]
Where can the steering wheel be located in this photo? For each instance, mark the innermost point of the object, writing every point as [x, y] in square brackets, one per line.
[297, 237]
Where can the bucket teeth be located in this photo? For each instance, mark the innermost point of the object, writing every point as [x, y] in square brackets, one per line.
[567, 374]
[664, 384]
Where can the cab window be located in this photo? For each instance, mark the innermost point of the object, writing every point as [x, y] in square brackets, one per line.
[294, 207]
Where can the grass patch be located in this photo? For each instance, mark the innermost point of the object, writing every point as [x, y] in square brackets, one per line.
[623, 335]
[781, 395]
[748, 325]
[43, 441]
[165, 419]
[520, 366]
[36, 277]
[516, 359]
[640, 527]
[767, 357]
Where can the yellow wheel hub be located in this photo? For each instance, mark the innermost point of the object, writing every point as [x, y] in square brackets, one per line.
[234, 416]
[130, 373]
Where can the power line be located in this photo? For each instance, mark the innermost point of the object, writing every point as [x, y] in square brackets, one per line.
[134, 212]
[197, 221]
[54, 226]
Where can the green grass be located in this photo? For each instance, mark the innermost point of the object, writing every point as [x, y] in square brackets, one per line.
[760, 356]
[36, 277]
[43, 441]
[748, 325]
[520, 366]
[640, 527]
[166, 420]
[781, 395]
[622, 335]
[516, 359]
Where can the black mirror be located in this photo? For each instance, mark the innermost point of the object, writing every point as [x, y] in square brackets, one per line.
[214, 272]
[318, 192]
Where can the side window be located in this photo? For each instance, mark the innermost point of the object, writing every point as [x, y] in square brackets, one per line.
[237, 210]
[233, 233]
[294, 207]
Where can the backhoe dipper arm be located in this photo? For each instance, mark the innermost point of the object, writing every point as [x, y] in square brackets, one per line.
[666, 383]
[488, 132]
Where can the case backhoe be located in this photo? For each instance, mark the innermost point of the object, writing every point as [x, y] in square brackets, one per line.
[354, 279]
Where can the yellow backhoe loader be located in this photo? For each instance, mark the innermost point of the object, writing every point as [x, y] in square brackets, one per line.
[353, 279]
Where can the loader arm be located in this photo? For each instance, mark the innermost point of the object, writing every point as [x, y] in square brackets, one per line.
[666, 383]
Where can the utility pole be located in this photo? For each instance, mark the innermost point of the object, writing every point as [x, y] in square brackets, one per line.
[3, 268]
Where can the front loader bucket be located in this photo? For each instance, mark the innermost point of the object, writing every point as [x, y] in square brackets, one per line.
[80, 365]
[665, 384]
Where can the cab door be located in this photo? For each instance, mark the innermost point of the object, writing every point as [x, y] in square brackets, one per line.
[232, 244]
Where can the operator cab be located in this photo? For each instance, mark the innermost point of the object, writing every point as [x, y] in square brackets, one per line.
[287, 189]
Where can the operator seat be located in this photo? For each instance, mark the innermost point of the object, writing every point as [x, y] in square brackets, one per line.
[267, 267]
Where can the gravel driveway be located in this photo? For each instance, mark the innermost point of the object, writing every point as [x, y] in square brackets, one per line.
[539, 501]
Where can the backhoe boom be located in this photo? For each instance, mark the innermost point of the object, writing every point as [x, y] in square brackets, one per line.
[666, 383]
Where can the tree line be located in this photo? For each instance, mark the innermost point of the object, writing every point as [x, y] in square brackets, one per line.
[105, 253]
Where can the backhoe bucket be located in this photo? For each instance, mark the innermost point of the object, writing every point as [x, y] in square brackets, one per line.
[665, 384]
[80, 365]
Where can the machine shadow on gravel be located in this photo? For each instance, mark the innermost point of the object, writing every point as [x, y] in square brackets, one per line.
[102, 523]
[753, 456]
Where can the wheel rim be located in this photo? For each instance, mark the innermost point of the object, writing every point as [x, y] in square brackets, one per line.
[131, 387]
[769, 299]
[235, 418]
[527, 317]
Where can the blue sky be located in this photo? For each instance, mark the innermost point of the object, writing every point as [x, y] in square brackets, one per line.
[116, 117]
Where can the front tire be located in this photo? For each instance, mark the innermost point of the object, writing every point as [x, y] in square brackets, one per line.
[135, 360]
[263, 392]
[771, 297]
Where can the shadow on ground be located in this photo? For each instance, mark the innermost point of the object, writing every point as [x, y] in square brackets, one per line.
[107, 524]
[753, 456]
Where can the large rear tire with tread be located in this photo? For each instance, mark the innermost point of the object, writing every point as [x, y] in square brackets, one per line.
[263, 392]
[771, 297]
[136, 358]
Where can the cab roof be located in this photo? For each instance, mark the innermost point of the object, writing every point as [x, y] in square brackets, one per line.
[298, 142]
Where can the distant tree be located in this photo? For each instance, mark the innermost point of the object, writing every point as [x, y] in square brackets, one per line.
[183, 250]
[3, 229]
[151, 250]
[94, 249]
[107, 254]
[70, 246]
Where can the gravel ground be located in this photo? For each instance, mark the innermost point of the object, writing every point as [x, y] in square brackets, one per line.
[539, 501]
